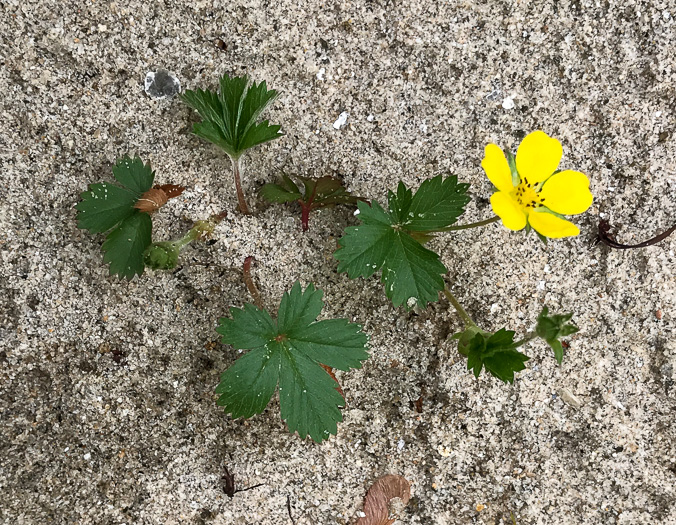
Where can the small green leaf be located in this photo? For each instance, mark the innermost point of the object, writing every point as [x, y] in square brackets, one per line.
[229, 117]
[125, 245]
[278, 193]
[391, 240]
[133, 174]
[552, 328]
[289, 352]
[495, 352]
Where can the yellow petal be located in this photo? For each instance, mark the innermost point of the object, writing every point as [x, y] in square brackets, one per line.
[552, 226]
[497, 169]
[509, 211]
[567, 193]
[538, 157]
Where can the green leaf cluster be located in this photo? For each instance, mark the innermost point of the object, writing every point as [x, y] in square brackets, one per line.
[289, 352]
[497, 352]
[109, 207]
[391, 240]
[552, 328]
[229, 116]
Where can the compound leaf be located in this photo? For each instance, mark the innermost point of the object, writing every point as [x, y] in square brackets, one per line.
[391, 240]
[495, 352]
[125, 245]
[290, 352]
[229, 117]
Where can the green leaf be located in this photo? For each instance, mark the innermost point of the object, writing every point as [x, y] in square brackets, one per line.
[133, 174]
[229, 117]
[278, 193]
[437, 204]
[103, 206]
[289, 352]
[125, 245]
[552, 328]
[495, 352]
[391, 240]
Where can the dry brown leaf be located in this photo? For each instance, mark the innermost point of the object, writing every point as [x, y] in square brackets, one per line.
[172, 190]
[152, 200]
[378, 497]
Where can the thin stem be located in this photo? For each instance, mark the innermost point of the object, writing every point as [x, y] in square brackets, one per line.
[458, 307]
[528, 337]
[471, 225]
[251, 286]
[238, 186]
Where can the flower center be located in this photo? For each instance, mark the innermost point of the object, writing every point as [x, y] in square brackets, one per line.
[526, 195]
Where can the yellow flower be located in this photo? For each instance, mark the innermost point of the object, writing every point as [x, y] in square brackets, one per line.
[535, 195]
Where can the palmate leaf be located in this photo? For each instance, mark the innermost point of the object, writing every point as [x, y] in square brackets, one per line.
[551, 328]
[229, 116]
[389, 240]
[105, 206]
[315, 193]
[496, 352]
[289, 352]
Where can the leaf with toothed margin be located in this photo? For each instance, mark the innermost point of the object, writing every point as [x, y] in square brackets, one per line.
[392, 240]
[289, 352]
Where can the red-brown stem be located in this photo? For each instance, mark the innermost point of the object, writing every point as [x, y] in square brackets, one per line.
[305, 217]
[243, 208]
[250, 285]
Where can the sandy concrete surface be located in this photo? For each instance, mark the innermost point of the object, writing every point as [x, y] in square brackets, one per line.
[107, 409]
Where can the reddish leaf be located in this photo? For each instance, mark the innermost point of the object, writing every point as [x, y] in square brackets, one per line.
[329, 370]
[378, 497]
[172, 190]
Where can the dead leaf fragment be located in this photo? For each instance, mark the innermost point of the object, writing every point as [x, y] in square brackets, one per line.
[172, 190]
[378, 497]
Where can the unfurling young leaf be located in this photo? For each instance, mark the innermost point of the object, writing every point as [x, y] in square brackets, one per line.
[229, 119]
[495, 352]
[551, 328]
[316, 193]
[390, 240]
[290, 352]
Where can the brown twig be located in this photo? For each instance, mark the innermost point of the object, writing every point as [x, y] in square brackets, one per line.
[606, 237]
[251, 286]
[288, 508]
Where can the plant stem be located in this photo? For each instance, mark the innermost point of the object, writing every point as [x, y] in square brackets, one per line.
[243, 208]
[528, 337]
[251, 286]
[305, 217]
[471, 225]
[458, 307]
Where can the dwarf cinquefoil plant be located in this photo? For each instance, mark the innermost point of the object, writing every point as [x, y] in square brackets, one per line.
[124, 211]
[229, 120]
[530, 194]
[290, 354]
[315, 193]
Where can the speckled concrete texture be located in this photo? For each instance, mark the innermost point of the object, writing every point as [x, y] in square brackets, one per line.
[108, 414]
